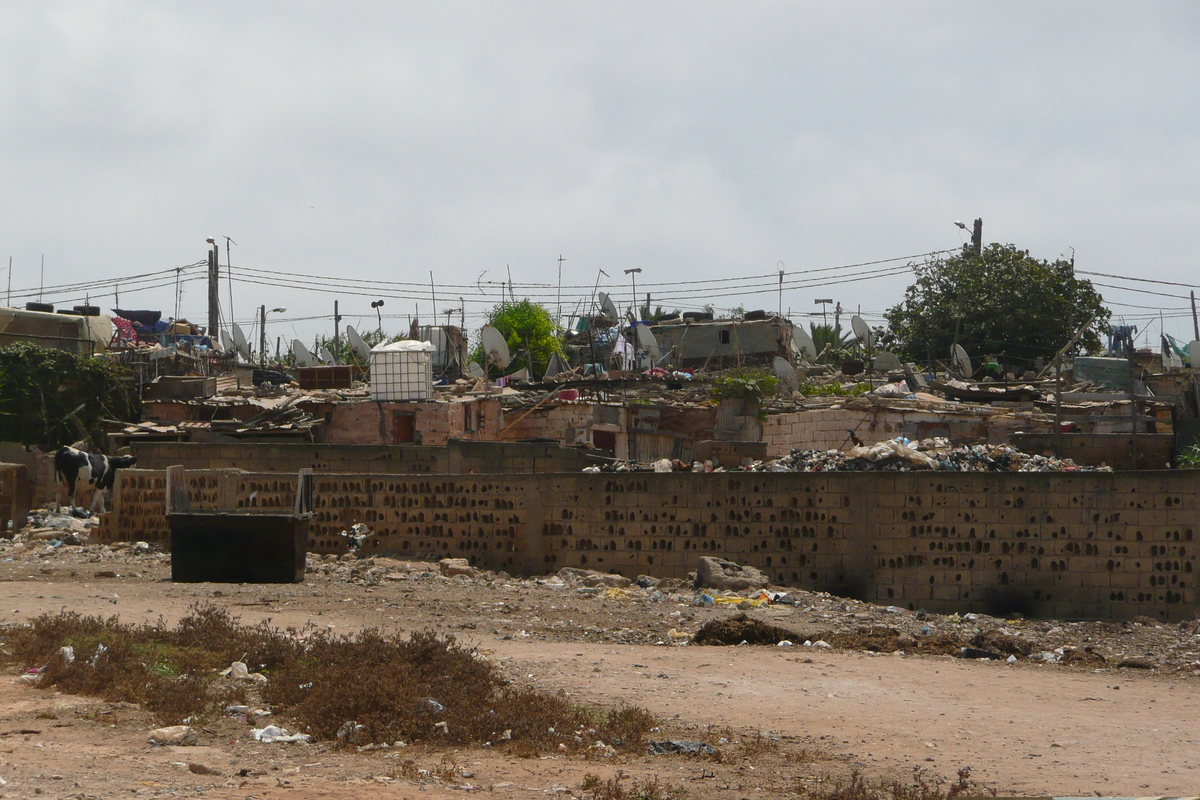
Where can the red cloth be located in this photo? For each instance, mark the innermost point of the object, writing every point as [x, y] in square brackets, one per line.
[125, 331]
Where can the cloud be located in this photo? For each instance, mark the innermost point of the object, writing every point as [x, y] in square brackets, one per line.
[697, 140]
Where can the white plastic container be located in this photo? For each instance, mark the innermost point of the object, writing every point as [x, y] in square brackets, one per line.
[402, 371]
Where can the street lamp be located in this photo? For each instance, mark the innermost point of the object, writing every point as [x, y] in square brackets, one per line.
[976, 232]
[378, 304]
[262, 333]
[633, 273]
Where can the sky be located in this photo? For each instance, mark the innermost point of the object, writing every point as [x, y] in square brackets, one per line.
[357, 151]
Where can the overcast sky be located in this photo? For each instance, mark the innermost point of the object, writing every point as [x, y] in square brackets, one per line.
[383, 141]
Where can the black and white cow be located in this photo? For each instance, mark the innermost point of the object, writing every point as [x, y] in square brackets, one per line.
[74, 469]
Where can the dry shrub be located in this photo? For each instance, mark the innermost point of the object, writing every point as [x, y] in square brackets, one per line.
[423, 687]
[596, 788]
[939, 644]
[738, 629]
[167, 671]
[922, 786]
[1003, 643]
[877, 639]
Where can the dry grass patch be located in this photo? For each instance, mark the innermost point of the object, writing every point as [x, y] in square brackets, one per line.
[371, 687]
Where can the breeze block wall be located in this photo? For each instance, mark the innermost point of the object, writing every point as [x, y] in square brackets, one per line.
[1065, 545]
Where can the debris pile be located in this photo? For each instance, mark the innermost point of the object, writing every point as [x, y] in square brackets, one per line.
[902, 455]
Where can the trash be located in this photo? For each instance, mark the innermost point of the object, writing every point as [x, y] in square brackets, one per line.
[934, 454]
[1010, 660]
[662, 465]
[237, 671]
[679, 636]
[349, 732]
[428, 705]
[786, 643]
[273, 733]
[67, 654]
[824, 645]
[684, 746]
[619, 594]
[975, 652]
[444, 727]
[176, 735]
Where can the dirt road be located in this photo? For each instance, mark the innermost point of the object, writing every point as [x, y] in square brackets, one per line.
[1027, 728]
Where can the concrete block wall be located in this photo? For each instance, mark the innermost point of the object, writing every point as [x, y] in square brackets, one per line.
[292, 457]
[1065, 545]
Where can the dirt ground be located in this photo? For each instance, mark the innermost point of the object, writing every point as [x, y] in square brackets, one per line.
[1062, 718]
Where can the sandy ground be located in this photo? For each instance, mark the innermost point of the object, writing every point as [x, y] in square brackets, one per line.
[1025, 728]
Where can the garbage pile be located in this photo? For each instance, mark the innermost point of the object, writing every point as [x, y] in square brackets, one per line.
[903, 455]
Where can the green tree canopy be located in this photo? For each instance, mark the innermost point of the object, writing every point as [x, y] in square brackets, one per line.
[51, 398]
[527, 327]
[1003, 303]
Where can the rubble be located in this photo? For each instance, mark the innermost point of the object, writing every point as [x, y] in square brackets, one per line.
[934, 454]
[717, 573]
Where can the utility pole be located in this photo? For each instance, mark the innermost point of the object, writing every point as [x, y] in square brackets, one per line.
[214, 276]
[10, 285]
[262, 336]
[229, 271]
[781, 288]
[559, 312]
[337, 323]
[977, 237]
[1195, 324]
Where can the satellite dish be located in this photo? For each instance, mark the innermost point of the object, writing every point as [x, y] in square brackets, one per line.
[886, 362]
[494, 347]
[357, 344]
[239, 341]
[785, 373]
[226, 342]
[648, 342]
[303, 357]
[475, 370]
[606, 305]
[327, 357]
[806, 343]
[862, 331]
[958, 357]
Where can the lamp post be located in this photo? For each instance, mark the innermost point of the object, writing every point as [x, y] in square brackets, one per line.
[976, 232]
[262, 333]
[378, 304]
[633, 273]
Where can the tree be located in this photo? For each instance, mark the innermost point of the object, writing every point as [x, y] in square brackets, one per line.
[528, 329]
[1002, 303]
[824, 336]
[51, 398]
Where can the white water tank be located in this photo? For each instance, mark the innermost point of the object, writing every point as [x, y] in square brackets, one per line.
[402, 371]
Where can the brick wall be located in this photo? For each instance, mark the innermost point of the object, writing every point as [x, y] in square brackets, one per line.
[434, 422]
[456, 457]
[1070, 545]
[825, 429]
